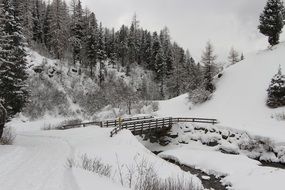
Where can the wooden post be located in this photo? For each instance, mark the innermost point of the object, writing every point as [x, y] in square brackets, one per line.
[142, 128]
[134, 128]
[101, 124]
[163, 123]
[156, 125]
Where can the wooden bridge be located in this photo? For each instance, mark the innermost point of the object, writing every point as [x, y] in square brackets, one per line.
[142, 125]
[145, 126]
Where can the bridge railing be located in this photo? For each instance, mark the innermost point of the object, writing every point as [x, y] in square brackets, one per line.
[158, 123]
[143, 125]
[106, 123]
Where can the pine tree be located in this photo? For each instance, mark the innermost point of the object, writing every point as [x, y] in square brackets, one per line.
[47, 34]
[271, 21]
[123, 45]
[233, 56]
[59, 31]
[154, 50]
[112, 47]
[101, 54]
[276, 91]
[242, 57]
[23, 10]
[174, 83]
[37, 21]
[12, 60]
[77, 33]
[92, 43]
[208, 59]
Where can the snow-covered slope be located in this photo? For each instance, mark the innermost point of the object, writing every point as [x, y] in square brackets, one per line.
[240, 98]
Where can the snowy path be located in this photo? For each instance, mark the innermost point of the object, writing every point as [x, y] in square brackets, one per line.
[36, 163]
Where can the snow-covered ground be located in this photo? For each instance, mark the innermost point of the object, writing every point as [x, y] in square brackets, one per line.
[240, 99]
[38, 160]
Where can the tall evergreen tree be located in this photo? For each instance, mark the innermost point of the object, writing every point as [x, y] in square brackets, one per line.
[47, 33]
[77, 33]
[271, 21]
[59, 31]
[92, 43]
[23, 10]
[123, 45]
[101, 54]
[156, 46]
[38, 17]
[208, 58]
[12, 60]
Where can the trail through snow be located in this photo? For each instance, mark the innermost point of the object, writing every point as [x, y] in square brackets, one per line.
[36, 163]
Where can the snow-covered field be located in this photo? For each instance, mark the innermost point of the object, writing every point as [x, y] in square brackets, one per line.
[38, 160]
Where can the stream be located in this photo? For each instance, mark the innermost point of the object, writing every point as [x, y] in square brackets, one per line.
[210, 182]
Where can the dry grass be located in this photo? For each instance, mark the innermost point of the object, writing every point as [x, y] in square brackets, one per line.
[8, 136]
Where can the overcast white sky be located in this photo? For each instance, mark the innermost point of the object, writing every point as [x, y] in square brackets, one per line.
[192, 23]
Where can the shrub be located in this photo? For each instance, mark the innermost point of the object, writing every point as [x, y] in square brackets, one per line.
[280, 116]
[8, 136]
[59, 125]
[141, 176]
[45, 97]
[94, 165]
[199, 96]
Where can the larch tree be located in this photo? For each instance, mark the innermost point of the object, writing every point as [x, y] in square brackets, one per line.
[233, 56]
[208, 59]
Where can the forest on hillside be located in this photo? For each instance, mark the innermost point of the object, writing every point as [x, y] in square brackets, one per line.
[73, 35]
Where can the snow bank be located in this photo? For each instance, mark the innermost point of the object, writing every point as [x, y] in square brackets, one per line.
[241, 172]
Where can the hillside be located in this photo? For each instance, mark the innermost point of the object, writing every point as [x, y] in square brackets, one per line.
[239, 101]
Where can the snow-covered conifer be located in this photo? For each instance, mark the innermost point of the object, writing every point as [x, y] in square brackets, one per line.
[276, 91]
[12, 60]
[271, 21]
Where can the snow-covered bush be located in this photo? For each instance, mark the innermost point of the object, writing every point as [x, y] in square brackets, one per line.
[279, 116]
[276, 91]
[58, 126]
[8, 136]
[44, 98]
[199, 96]
[143, 176]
